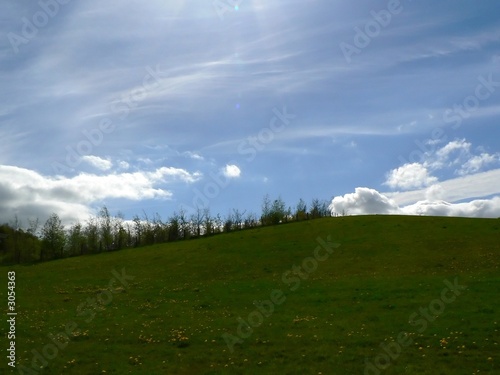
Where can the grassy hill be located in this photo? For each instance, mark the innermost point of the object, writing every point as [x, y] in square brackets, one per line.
[400, 295]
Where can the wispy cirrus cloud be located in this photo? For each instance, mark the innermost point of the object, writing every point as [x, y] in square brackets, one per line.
[218, 87]
[483, 184]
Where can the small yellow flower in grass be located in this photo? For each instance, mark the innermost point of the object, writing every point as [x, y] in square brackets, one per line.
[490, 359]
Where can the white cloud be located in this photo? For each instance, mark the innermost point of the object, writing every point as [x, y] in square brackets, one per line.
[478, 162]
[457, 145]
[124, 165]
[368, 201]
[193, 155]
[231, 171]
[363, 201]
[176, 173]
[97, 162]
[410, 176]
[456, 157]
[461, 188]
[441, 159]
[459, 152]
[435, 192]
[28, 193]
[476, 208]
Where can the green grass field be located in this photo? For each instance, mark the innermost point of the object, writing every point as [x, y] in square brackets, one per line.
[386, 286]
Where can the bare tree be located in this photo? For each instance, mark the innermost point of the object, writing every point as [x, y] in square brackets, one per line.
[265, 218]
[197, 221]
[160, 235]
[208, 226]
[137, 230]
[238, 218]
[218, 224]
[119, 232]
[228, 223]
[184, 224]
[251, 220]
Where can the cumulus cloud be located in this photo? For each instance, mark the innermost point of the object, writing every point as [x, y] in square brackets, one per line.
[366, 201]
[459, 155]
[456, 156]
[231, 171]
[29, 194]
[478, 162]
[363, 201]
[410, 176]
[97, 162]
[460, 146]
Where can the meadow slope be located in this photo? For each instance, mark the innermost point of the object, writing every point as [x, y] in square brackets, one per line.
[400, 295]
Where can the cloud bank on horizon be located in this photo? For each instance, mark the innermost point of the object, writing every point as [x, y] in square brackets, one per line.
[366, 201]
[380, 106]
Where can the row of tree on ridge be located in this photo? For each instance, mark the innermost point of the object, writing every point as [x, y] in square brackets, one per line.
[105, 232]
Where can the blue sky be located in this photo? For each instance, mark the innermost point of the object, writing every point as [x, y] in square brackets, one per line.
[378, 107]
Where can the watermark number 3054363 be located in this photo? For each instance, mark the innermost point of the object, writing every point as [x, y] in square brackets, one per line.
[11, 317]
